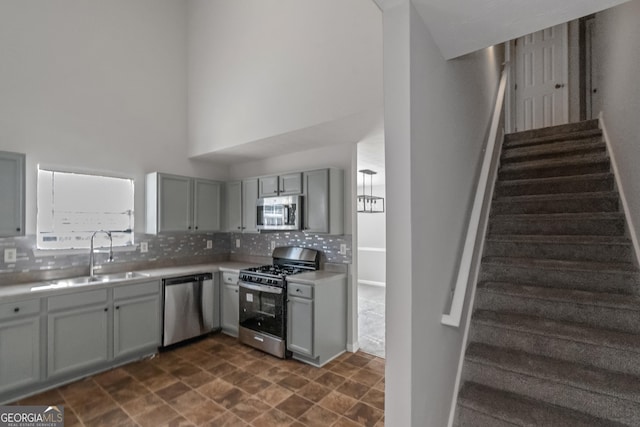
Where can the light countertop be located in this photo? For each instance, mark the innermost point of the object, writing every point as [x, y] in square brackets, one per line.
[316, 277]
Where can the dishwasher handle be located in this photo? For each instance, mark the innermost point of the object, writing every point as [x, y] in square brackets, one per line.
[188, 279]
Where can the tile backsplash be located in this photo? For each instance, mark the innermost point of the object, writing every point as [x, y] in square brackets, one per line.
[163, 250]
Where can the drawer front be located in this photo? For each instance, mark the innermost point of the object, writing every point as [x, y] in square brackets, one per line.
[300, 290]
[80, 299]
[229, 278]
[19, 308]
[139, 289]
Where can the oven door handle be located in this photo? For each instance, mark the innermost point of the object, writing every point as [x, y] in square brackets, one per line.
[261, 288]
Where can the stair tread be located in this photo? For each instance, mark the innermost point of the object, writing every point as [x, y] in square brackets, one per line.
[574, 296]
[560, 239]
[557, 264]
[514, 139]
[560, 216]
[552, 163]
[523, 411]
[559, 148]
[566, 330]
[556, 179]
[557, 196]
[584, 377]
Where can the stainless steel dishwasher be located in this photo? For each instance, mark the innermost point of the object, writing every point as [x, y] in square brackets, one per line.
[188, 307]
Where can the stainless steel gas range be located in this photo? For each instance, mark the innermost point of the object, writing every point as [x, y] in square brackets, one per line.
[263, 298]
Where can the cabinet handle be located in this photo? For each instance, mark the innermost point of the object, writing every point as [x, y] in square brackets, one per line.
[106, 309]
[17, 309]
[196, 227]
[298, 290]
[117, 307]
[275, 191]
[239, 228]
[18, 229]
[236, 291]
[189, 227]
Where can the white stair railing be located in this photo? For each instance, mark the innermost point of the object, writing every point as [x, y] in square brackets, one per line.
[485, 187]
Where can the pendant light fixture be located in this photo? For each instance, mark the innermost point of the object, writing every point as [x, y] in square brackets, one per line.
[368, 203]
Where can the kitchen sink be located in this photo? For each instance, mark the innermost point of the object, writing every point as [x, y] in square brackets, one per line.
[87, 280]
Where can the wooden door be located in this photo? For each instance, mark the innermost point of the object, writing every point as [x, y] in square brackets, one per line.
[541, 79]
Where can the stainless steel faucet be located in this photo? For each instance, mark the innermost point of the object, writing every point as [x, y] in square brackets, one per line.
[91, 256]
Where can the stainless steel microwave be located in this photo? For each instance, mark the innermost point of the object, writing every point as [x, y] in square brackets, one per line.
[279, 213]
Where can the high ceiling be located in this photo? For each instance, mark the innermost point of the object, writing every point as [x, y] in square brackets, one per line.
[464, 26]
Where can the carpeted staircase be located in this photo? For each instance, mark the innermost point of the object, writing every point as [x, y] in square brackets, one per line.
[555, 332]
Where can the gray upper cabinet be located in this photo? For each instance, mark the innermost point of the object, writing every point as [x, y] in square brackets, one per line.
[240, 206]
[179, 203]
[249, 199]
[12, 188]
[282, 185]
[233, 206]
[324, 201]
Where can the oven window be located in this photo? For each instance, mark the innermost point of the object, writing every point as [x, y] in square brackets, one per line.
[262, 311]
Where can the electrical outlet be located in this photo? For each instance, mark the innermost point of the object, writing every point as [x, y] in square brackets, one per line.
[209, 244]
[237, 243]
[144, 247]
[273, 244]
[343, 248]
[10, 255]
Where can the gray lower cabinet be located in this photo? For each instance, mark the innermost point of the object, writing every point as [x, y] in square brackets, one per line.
[136, 319]
[229, 303]
[317, 319]
[20, 353]
[300, 325]
[77, 332]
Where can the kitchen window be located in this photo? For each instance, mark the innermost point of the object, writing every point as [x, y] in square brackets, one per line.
[72, 206]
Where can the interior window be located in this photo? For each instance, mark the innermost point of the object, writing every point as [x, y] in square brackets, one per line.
[72, 206]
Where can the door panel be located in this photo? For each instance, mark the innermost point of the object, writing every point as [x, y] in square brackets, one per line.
[541, 79]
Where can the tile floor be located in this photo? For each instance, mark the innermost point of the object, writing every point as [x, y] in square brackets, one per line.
[218, 382]
[371, 302]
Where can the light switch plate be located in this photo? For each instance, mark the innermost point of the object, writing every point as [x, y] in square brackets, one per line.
[343, 248]
[237, 243]
[273, 244]
[10, 255]
[144, 247]
[209, 244]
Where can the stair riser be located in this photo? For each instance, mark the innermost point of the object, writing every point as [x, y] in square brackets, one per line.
[574, 186]
[591, 315]
[562, 227]
[602, 204]
[566, 279]
[555, 130]
[598, 356]
[566, 252]
[595, 404]
[553, 171]
[467, 417]
[550, 152]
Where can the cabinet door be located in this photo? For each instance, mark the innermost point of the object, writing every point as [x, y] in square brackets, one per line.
[77, 339]
[230, 309]
[316, 201]
[19, 353]
[174, 203]
[206, 205]
[300, 325]
[290, 184]
[233, 206]
[12, 175]
[268, 186]
[249, 199]
[136, 325]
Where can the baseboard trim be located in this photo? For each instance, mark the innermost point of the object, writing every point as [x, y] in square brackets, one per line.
[353, 347]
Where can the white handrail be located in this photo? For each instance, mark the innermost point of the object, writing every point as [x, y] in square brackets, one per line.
[462, 282]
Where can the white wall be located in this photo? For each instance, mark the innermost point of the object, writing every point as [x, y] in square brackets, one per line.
[432, 160]
[372, 231]
[96, 85]
[260, 68]
[617, 45]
